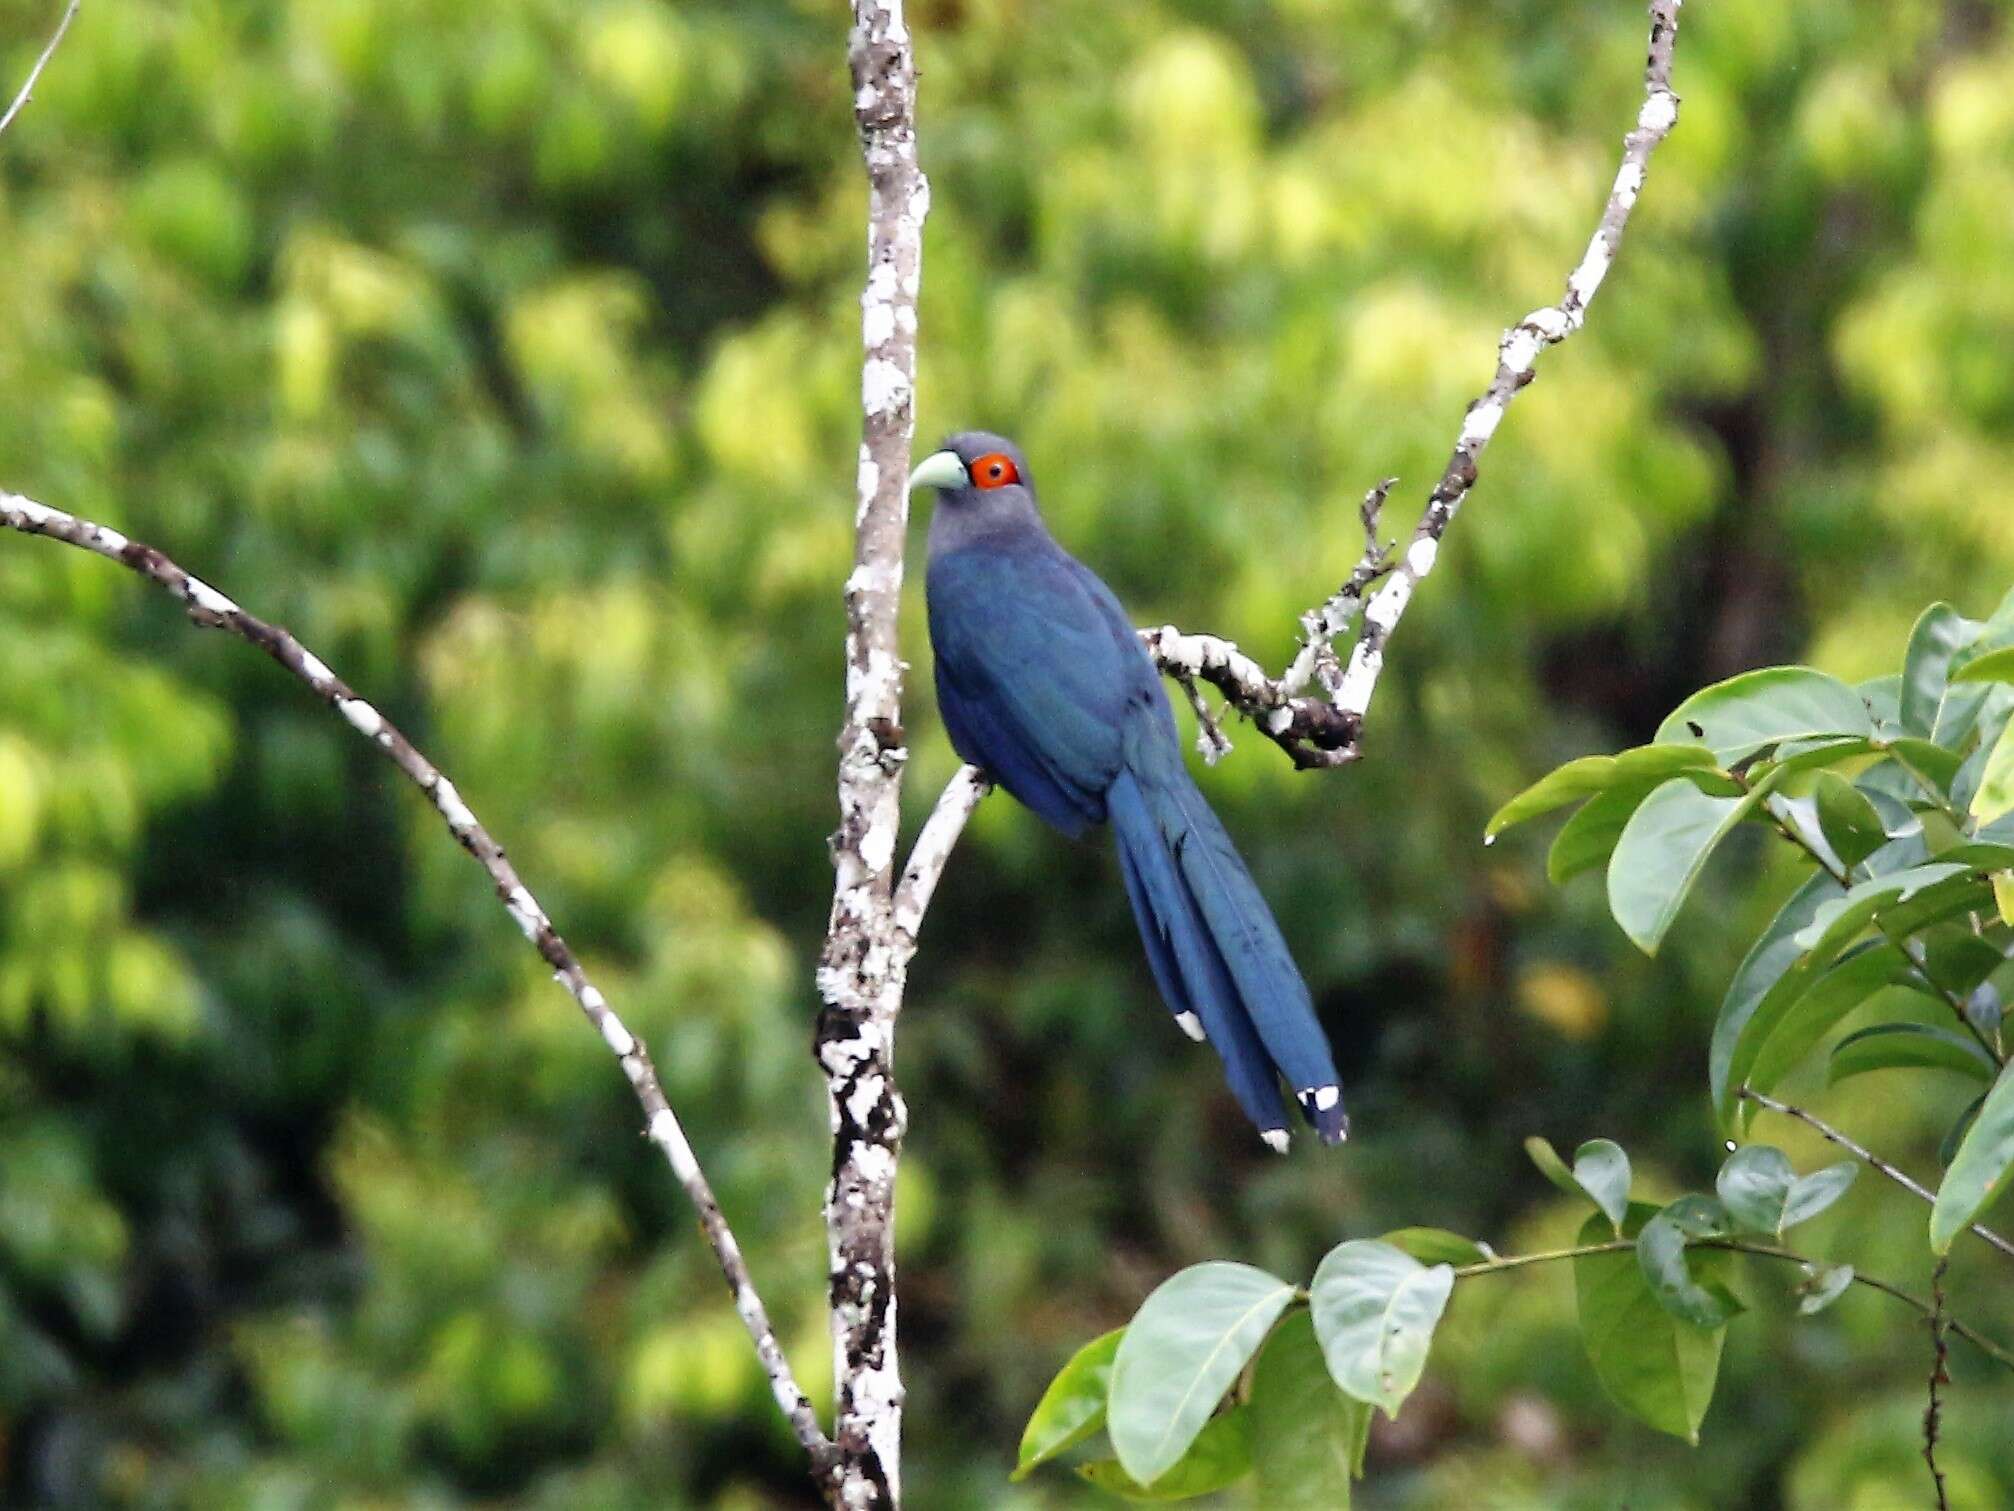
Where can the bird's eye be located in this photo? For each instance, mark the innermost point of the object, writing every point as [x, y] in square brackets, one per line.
[995, 470]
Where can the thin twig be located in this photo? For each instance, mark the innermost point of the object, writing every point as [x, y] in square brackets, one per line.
[1867, 1156]
[1940, 1355]
[28, 89]
[1504, 1263]
[927, 858]
[210, 609]
[1322, 732]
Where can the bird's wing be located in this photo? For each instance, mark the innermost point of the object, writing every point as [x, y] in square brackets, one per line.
[1034, 678]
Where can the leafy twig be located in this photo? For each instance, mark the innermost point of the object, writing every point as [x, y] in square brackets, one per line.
[1503, 1263]
[1867, 1156]
[210, 609]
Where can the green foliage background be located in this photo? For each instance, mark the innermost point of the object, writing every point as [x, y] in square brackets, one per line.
[508, 352]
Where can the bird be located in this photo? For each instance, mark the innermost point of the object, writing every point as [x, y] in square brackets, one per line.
[1044, 685]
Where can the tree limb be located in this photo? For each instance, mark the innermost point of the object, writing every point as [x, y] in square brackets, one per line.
[210, 609]
[863, 965]
[1327, 730]
[34, 74]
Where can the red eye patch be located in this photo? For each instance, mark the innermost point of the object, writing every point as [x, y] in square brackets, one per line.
[996, 469]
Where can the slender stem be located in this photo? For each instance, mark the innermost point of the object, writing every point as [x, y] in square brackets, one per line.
[1507, 1262]
[28, 89]
[210, 609]
[1868, 1157]
[1940, 1354]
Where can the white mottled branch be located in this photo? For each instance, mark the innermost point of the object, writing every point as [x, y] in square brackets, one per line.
[1328, 731]
[861, 970]
[955, 806]
[211, 609]
[34, 74]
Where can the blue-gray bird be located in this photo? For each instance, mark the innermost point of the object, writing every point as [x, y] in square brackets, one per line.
[1044, 685]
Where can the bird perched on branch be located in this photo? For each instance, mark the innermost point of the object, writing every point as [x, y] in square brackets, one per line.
[1044, 686]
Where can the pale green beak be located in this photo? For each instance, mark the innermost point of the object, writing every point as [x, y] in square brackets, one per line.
[940, 469]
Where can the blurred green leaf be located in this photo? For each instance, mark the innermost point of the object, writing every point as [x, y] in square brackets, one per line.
[1646, 766]
[1662, 1254]
[1190, 1339]
[1655, 1366]
[1308, 1437]
[1601, 1169]
[1851, 825]
[1823, 1285]
[1219, 1455]
[1375, 1309]
[1979, 1168]
[1994, 666]
[1073, 1407]
[1436, 1246]
[1996, 783]
[1589, 836]
[1736, 718]
[1940, 634]
[1663, 849]
[1907, 1046]
[1754, 1186]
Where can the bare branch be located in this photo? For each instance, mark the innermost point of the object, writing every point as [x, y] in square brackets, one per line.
[1940, 1357]
[955, 805]
[210, 609]
[861, 970]
[34, 74]
[1319, 732]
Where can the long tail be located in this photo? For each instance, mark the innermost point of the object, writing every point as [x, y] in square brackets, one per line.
[1217, 954]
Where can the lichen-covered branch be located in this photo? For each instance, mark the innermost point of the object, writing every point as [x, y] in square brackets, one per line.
[211, 609]
[932, 851]
[1327, 730]
[862, 967]
[28, 86]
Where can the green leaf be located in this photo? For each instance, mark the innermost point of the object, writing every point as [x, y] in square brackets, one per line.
[2003, 895]
[1883, 697]
[1552, 1167]
[1789, 1024]
[1307, 1436]
[1656, 1367]
[1437, 1245]
[1073, 1407]
[1645, 766]
[1663, 849]
[1601, 1169]
[1947, 1147]
[1979, 1169]
[1661, 1253]
[1180, 1353]
[1736, 718]
[1774, 953]
[1588, 838]
[1849, 821]
[1815, 1192]
[1837, 921]
[1220, 1455]
[1927, 763]
[1375, 1310]
[1994, 666]
[1822, 1285]
[1754, 1186]
[1940, 634]
[1907, 1046]
[1996, 785]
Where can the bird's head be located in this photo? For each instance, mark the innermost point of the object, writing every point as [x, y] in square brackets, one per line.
[978, 471]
